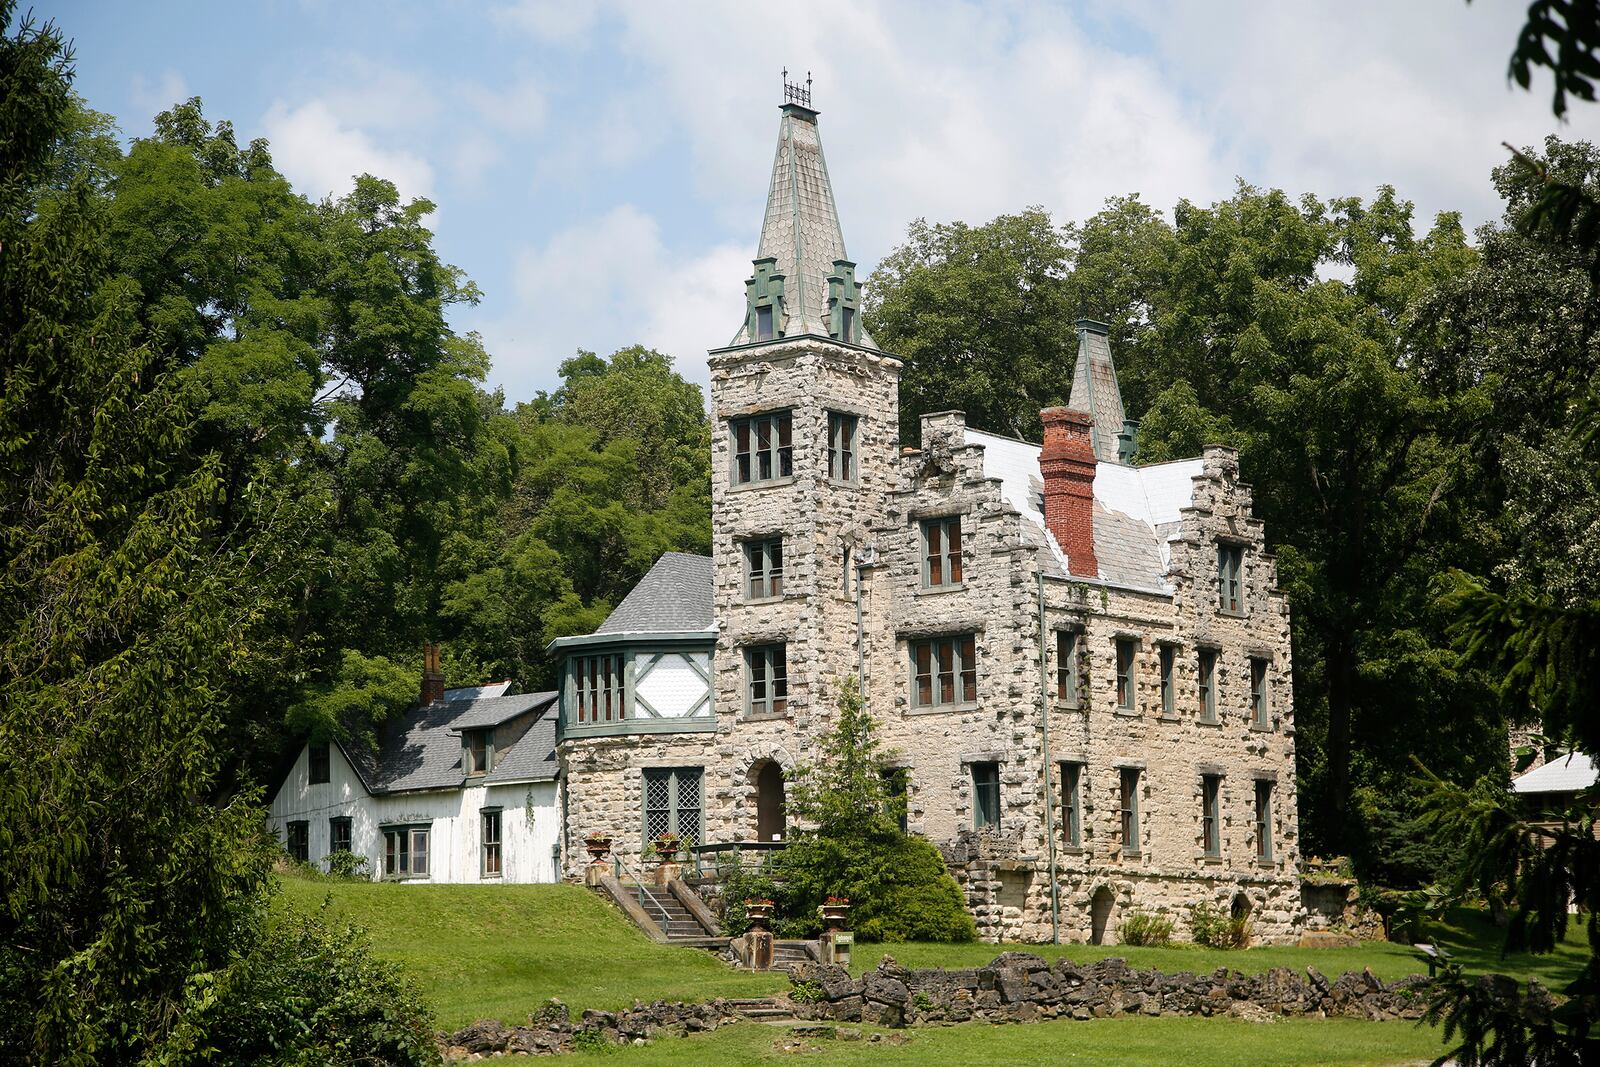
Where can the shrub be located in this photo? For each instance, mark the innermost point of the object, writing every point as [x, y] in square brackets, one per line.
[1216, 928]
[1142, 928]
[348, 866]
[806, 992]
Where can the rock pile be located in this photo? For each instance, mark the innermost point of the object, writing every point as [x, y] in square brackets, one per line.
[1021, 987]
[551, 1029]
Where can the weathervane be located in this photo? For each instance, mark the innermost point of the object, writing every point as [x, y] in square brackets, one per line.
[793, 94]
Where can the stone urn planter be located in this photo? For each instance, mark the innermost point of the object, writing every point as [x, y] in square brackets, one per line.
[759, 913]
[598, 846]
[667, 847]
[835, 910]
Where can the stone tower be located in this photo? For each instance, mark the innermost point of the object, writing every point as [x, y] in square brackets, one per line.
[806, 413]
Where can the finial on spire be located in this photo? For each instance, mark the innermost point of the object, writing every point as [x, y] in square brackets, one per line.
[793, 93]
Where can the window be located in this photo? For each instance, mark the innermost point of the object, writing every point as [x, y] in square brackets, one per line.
[1230, 564]
[599, 687]
[764, 323]
[1259, 712]
[1168, 683]
[1067, 666]
[672, 802]
[298, 841]
[1072, 803]
[1210, 815]
[1129, 805]
[479, 752]
[762, 448]
[763, 567]
[1125, 650]
[945, 671]
[1208, 685]
[897, 785]
[489, 843]
[941, 553]
[339, 833]
[847, 322]
[842, 446]
[985, 794]
[405, 852]
[320, 764]
[767, 680]
[1264, 821]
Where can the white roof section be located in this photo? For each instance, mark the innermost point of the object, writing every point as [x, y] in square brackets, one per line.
[1564, 774]
[479, 692]
[1138, 508]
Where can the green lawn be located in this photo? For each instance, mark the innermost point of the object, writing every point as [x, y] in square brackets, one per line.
[1468, 935]
[499, 951]
[1127, 1042]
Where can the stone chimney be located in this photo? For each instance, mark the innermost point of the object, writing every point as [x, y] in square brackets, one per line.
[1067, 465]
[432, 676]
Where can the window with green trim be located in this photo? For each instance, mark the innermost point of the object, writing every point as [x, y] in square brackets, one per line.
[339, 833]
[941, 552]
[1260, 713]
[842, 446]
[673, 802]
[1067, 666]
[1128, 800]
[1211, 815]
[489, 843]
[985, 795]
[1126, 647]
[944, 671]
[1208, 685]
[1169, 682]
[297, 840]
[405, 851]
[480, 753]
[1230, 568]
[766, 680]
[763, 568]
[598, 688]
[321, 763]
[1264, 821]
[763, 448]
[1072, 804]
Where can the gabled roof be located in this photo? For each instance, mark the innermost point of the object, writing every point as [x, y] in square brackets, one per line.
[674, 597]
[421, 749]
[1136, 509]
[801, 227]
[1564, 774]
[531, 759]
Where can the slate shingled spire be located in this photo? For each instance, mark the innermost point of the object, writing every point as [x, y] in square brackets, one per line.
[1095, 388]
[803, 281]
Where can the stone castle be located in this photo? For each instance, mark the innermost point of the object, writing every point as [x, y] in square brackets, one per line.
[1080, 665]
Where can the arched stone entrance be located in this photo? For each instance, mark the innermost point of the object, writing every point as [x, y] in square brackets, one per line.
[1101, 906]
[771, 816]
[1240, 913]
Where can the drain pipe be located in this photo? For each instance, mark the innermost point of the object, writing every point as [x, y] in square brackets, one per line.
[1049, 770]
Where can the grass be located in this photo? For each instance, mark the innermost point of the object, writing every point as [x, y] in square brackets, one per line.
[1468, 935]
[1128, 1042]
[481, 952]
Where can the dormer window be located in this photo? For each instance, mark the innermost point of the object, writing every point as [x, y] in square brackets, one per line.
[847, 322]
[764, 323]
[480, 752]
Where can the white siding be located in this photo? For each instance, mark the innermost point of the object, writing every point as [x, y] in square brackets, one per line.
[529, 821]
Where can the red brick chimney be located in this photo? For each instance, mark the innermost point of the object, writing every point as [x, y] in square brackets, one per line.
[1067, 464]
[432, 676]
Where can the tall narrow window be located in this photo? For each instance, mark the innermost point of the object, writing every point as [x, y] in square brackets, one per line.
[941, 552]
[764, 323]
[763, 565]
[1072, 803]
[767, 676]
[320, 763]
[1264, 821]
[1230, 565]
[1211, 815]
[763, 448]
[489, 844]
[1208, 685]
[985, 794]
[1168, 681]
[944, 671]
[842, 446]
[847, 323]
[298, 840]
[479, 752]
[897, 785]
[598, 688]
[1259, 712]
[673, 802]
[1125, 679]
[1129, 806]
[1067, 666]
[339, 833]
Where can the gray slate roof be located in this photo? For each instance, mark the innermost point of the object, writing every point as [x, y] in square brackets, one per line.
[674, 597]
[1095, 390]
[533, 758]
[422, 748]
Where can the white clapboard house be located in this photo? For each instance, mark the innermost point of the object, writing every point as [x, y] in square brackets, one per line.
[461, 787]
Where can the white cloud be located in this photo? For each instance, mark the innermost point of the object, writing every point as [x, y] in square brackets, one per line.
[321, 154]
[560, 21]
[155, 95]
[607, 282]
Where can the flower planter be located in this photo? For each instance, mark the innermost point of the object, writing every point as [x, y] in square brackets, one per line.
[667, 848]
[759, 913]
[598, 847]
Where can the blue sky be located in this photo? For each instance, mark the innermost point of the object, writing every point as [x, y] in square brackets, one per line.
[600, 168]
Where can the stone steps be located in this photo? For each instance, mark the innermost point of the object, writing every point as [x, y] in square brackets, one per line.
[669, 913]
[762, 1010]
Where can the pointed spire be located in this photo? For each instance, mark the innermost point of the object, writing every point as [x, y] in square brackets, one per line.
[1095, 389]
[803, 281]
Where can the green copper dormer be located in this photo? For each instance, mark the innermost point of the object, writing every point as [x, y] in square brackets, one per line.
[801, 244]
[844, 302]
[765, 317]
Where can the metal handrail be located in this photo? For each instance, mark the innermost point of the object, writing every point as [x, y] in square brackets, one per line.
[621, 868]
[767, 849]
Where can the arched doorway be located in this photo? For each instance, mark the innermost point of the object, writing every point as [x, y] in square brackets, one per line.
[1240, 913]
[1100, 907]
[770, 814]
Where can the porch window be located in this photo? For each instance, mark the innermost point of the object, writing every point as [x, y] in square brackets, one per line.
[598, 682]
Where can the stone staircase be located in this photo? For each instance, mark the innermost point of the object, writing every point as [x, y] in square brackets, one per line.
[673, 916]
[763, 1009]
[786, 954]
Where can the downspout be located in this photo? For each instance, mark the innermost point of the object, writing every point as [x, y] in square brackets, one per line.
[1049, 771]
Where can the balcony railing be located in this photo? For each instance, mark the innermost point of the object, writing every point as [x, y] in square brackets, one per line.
[720, 859]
